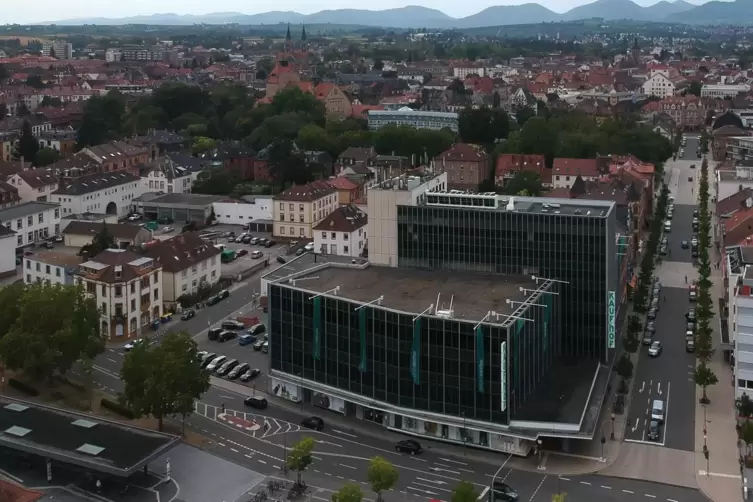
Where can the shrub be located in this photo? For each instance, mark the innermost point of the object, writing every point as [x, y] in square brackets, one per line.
[23, 387]
[117, 408]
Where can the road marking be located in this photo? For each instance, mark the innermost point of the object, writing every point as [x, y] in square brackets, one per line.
[719, 475]
[262, 461]
[427, 492]
[465, 470]
[276, 467]
[585, 483]
[650, 496]
[606, 487]
[438, 469]
[643, 386]
[340, 477]
[671, 500]
[483, 494]
[222, 444]
[328, 474]
[315, 457]
[111, 360]
[564, 479]
[233, 449]
[433, 481]
[317, 470]
[441, 465]
[348, 466]
[327, 442]
[452, 461]
[628, 491]
[432, 487]
[344, 433]
[537, 489]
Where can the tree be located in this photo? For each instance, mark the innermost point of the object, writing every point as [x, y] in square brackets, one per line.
[744, 405]
[464, 492]
[274, 128]
[102, 119]
[483, 126]
[524, 114]
[163, 379]
[704, 377]
[624, 367]
[299, 457]
[202, 144]
[348, 493]
[41, 345]
[559, 497]
[102, 241]
[46, 156]
[215, 182]
[27, 144]
[524, 181]
[694, 88]
[382, 476]
[304, 104]
[50, 101]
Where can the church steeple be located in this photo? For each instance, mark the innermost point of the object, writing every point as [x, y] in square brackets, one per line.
[288, 38]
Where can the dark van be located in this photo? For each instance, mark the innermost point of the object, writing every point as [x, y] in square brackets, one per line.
[214, 333]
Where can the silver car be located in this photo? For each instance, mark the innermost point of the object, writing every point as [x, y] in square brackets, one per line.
[216, 363]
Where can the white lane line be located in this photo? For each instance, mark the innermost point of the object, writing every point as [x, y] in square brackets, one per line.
[433, 487]
[465, 470]
[628, 491]
[671, 500]
[315, 457]
[585, 483]
[316, 470]
[650, 496]
[452, 461]
[276, 467]
[564, 479]
[606, 487]
[427, 492]
[233, 449]
[248, 456]
[222, 444]
[320, 498]
[441, 465]
[537, 489]
[262, 461]
[112, 360]
[432, 481]
[340, 477]
[483, 494]
[348, 466]
[328, 474]
[344, 433]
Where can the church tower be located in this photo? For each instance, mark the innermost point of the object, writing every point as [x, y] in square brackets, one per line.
[288, 41]
[635, 51]
[304, 39]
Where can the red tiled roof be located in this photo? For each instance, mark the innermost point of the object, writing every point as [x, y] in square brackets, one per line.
[734, 202]
[464, 152]
[510, 163]
[575, 167]
[343, 219]
[342, 183]
[738, 227]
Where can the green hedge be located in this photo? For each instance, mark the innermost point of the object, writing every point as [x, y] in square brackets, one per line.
[78, 386]
[23, 387]
[118, 408]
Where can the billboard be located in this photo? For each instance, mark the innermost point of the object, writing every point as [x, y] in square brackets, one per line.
[611, 319]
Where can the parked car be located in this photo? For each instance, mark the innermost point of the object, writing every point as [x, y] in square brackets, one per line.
[257, 329]
[242, 252]
[232, 324]
[188, 314]
[216, 363]
[256, 255]
[131, 345]
[134, 217]
[167, 230]
[253, 241]
[214, 333]
[309, 247]
[410, 446]
[315, 423]
[262, 241]
[655, 349]
[207, 358]
[246, 239]
[227, 366]
[255, 402]
[281, 259]
[238, 371]
[226, 335]
[246, 339]
[651, 327]
[250, 374]
[684, 245]
[269, 244]
[258, 345]
[652, 314]
[648, 338]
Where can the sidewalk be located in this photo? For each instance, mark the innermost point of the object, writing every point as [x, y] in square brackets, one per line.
[723, 482]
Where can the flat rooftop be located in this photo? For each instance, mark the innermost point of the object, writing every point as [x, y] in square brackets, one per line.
[490, 201]
[300, 264]
[414, 290]
[78, 439]
[188, 199]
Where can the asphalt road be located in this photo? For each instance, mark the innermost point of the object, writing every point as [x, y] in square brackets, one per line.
[669, 377]
[690, 149]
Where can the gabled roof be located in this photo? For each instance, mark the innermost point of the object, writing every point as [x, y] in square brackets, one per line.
[95, 182]
[463, 152]
[305, 193]
[343, 219]
[37, 178]
[182, 252]
[575, 167]
[129, 266]
[118, 230]
[733, 203]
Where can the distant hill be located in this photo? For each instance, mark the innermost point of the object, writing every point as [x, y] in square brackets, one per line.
[737, 12]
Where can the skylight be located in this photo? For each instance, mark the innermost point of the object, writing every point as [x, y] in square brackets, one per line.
[90, 449]
[17, 431]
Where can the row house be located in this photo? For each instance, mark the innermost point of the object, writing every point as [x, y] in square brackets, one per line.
[127, 289]
[117, 156]
[509, 164]
[342, 233]
[102, 193]
[688, 112]
[63, 142]
[166, 176]
[466, 165]
[565, 171]
[300, 208]
[720, 139]
[33, 222]
[336, 103]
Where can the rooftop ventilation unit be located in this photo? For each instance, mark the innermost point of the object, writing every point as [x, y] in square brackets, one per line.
[511, 204]
[17, 431]
[16, 407]
[444, 313]
[84, 424]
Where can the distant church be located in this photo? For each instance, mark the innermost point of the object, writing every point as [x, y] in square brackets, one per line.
[290, 63]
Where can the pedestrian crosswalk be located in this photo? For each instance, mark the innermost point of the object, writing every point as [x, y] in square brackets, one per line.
[268, 426]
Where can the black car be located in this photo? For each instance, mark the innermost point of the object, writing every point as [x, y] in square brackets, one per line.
[503, 492]
[250, 374]
[255, 402]
[262, 241]
[242, 252]
[246, 239]
[690, 315]
[409, 446]
[188, 314]
[226, 335]
[269, 244]
[315, 423]
[695, 213]
[223, 294]
[651, 327]
[281, 259]
[238, 371]
[214, 334]
[230, 324]
[684, 245]
[227, 367]
[213, 300]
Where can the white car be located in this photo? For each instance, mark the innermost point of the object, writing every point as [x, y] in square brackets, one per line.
[130, 345]
[309, 247]
[134, 217]
[167, 230]
[655, 349]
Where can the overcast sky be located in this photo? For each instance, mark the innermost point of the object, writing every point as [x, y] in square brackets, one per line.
[55, 10]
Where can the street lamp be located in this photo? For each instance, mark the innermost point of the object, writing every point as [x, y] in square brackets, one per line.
[603, 440]
[494, 478]
[539, 451]
[612, 435]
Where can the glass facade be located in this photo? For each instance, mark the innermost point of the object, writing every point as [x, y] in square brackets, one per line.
[434, 365]
[576, 248]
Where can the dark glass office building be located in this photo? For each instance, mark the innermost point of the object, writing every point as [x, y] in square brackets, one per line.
[563, 239]
[398, 362]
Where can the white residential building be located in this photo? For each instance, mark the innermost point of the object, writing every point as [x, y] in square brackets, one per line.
[7, 251]
[51, 267]
[34, 185]
[127, 288]
[659, 85]
[300, 208]
[741, 316]
[167, 177]
[258, 207]
[32, 221]
[342, 233]
[462, 72]
[108, 193]
[419, 119]
[187, 262]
